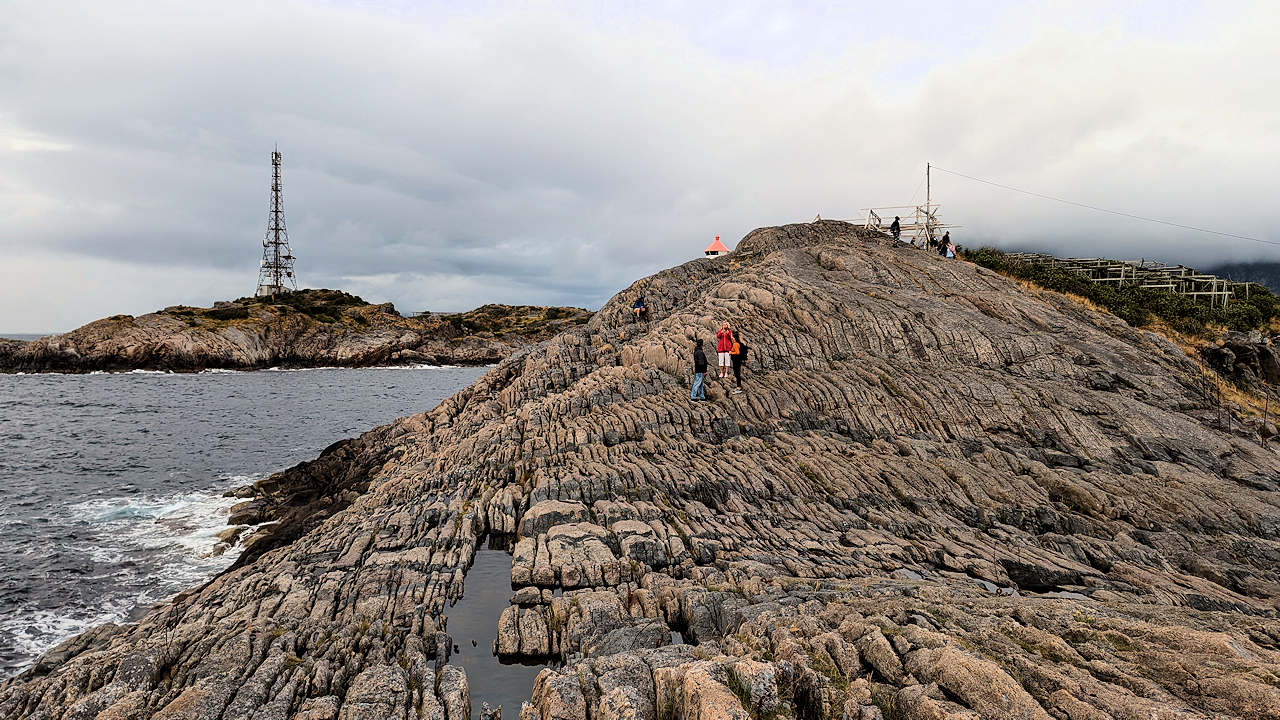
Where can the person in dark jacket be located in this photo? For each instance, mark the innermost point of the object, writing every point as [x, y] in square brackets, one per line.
[739, 357]
[895, 228]
[640, 308]
[699, 391]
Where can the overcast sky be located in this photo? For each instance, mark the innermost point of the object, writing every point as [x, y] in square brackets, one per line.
[445, 155]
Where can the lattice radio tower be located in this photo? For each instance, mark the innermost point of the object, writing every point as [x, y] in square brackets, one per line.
[275, 275]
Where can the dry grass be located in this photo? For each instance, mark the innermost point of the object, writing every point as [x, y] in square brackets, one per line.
[1039, 291]
[1254, 404]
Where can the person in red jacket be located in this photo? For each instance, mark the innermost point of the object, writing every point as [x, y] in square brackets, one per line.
[724, 344]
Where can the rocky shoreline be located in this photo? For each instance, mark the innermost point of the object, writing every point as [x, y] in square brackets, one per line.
[306, 329]
[941, 496]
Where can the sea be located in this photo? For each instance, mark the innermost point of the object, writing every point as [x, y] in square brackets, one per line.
[112, 486]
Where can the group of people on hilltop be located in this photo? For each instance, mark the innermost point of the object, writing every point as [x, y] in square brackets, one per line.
[731, 354]
[942, 245]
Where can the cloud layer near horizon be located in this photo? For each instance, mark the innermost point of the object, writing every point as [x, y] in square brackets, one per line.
[447, 156]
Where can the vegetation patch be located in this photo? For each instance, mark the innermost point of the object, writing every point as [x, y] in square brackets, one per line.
[228, 312]
[324, 306]
[1141, 306]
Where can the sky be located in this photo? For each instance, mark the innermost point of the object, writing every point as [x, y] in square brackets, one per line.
[445, 155]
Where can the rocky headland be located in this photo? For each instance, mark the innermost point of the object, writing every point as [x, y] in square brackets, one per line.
[308, 328]
[943, 495]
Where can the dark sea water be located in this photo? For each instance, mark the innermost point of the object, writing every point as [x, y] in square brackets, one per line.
[111, 486]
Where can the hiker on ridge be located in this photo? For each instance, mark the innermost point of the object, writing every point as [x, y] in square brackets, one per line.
[942, 244]
[724, 343]
[895, 228]
[699, 391]
[738, 356]
[640, 308]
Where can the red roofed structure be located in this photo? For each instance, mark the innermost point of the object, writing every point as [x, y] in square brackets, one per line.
[716, 248]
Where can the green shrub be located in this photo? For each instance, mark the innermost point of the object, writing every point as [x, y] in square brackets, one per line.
[1137, 305]
[232, 312]
[324, 306]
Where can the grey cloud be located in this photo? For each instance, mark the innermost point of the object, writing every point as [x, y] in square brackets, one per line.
[449, 158]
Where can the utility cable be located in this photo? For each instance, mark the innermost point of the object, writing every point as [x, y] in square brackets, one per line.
[917, 192]
[1105, 210]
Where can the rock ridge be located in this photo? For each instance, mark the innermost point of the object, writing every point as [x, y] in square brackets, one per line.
[941, 496]
[308, 328]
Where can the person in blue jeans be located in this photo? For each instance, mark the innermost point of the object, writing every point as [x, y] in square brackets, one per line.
[699, 372]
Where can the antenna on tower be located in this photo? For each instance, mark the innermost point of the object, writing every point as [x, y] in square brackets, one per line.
[275, 274]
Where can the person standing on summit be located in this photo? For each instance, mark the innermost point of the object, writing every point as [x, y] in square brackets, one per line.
[896, 227]
[724, 345]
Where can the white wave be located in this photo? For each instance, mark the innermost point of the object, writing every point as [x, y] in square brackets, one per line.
[227, 371]
[34, 631]
[420, 366]
[152, 547]
[127, 372]
[169, 529]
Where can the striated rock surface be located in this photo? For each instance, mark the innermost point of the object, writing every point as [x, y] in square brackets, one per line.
[309, 328]
[941, 496]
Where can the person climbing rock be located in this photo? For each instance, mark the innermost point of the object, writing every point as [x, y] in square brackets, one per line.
[738, 356]
[896, 227]
[724, 343]
[699, 391]
[640, 309]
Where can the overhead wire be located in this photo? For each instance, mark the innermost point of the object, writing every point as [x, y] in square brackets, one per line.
[917, 192]
[1105, 210]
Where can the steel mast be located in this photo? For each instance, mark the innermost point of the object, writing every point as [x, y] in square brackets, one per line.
[275, 274]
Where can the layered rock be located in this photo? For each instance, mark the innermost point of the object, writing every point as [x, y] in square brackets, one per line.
[309, 328]
[941, 496]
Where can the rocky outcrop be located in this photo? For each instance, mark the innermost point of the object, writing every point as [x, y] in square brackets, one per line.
[309, 328]
[1246, 359]
[941, 496]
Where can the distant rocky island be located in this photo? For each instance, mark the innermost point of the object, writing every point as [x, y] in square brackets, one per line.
[944, 493]
[307, 328]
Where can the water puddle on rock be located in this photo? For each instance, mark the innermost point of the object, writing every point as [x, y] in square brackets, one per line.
[486, 593]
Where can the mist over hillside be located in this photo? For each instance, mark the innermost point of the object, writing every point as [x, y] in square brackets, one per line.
[1266, 273]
